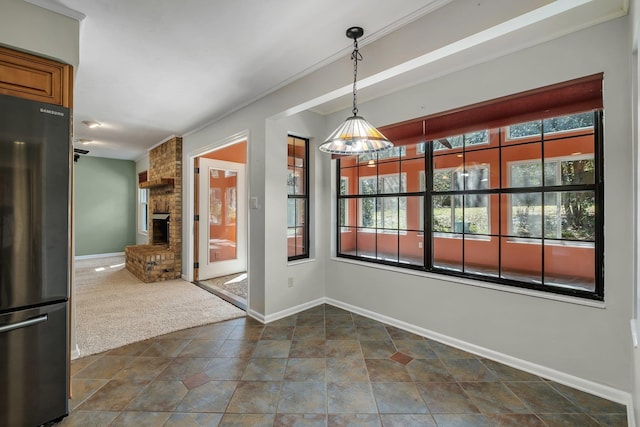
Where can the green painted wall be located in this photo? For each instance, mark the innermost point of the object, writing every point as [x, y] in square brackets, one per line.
[105, 205]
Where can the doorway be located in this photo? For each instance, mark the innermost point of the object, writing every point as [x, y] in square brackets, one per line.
[220, 232]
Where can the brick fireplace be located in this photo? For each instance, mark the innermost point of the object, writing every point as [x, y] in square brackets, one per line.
[161, 259]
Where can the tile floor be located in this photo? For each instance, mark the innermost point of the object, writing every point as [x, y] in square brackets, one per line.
[321, 367]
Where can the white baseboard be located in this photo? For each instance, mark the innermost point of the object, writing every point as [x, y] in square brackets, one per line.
[93, 256]
[293, 310]
[587, 386]
[255, 315]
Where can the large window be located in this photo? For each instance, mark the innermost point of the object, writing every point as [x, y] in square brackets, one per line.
[297, 198]
[519, 204]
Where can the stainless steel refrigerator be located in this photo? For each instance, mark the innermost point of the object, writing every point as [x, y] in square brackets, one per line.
[34, 261]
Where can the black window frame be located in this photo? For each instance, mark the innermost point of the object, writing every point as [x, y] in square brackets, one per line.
[428, 265]
[300, 196]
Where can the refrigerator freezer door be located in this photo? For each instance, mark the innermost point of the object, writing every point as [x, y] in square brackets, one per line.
[33, 366]
[34, 203]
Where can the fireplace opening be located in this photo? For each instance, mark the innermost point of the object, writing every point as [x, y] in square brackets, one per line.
[160, 232]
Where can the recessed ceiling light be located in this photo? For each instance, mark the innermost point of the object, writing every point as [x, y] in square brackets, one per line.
[92, 124]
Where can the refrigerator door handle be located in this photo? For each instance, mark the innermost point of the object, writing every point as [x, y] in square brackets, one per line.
[24, 323]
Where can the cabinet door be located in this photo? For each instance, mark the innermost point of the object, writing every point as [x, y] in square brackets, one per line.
[38, 79]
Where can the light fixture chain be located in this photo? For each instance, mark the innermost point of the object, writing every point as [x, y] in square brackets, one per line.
[355, 56]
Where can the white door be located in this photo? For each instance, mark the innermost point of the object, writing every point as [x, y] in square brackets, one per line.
[223, 218]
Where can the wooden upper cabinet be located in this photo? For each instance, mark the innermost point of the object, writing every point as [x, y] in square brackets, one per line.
[32, 77]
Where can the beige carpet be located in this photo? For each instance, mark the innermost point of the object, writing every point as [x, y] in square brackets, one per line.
[114, 308]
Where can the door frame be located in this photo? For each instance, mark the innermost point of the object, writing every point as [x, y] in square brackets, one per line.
[190, 197]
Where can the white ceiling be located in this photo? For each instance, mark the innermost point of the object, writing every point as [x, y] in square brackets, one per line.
[150, 69]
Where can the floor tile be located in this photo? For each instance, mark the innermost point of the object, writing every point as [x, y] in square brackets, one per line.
[338, 321]
[377, 349]
[265, 370]
[302, 398]
[343, 348]
[178, 419]
[429, 370]
[507, 373]
[215, 331]
[236, 348]
[306, 370]
[144, 368]
[81, 418]
[372, 333]
[418, 349]
[461, 420]
[141, 419]
[259, 397]
[159, 396]
[300, 420]
[309, 333]
[588, 402]
[82, 389]
[183, 367]
[226, 368]
[399, 334]
[195, 380]
[310, 321]
[469, 370]
[413, 420]
[351, 398]
[341, 333]
[166, 347]
[346, 370]
[277, 333]
[541, 397]
[446, 398]
[201, 348]
[515, 420]
[354, 420]
[272, 349]
[494, 398]
[611, 420]
[78, 365]
[134, 349]
[398, 398]
[213, 396]
[567, 420]
[105, 367]
[386, 371]
[447, 352]
[308, 348]
[247, 420]
[114, 395]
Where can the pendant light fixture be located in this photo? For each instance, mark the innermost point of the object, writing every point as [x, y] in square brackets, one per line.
[355, 135]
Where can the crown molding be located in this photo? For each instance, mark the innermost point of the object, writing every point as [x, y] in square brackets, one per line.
[59, 8]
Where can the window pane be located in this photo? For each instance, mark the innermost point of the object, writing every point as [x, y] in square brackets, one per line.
[348, 182]
[390, 184]
[521, 260]
[387, 245]
[482, 169]
[411, 248]
[412, 209]
[525, 214]
[565, 123]
[570, 215]
[443, 168]
[447, 251]
[367, 212]
[369, 185]
[476, 214]
[527, 174]
[347, 241]
[291, 212]
[366, 243]
[348, 209]
[576, 172]
[481, 256]
[524, 129]
[447, 211]
[570, 266]
[412, 175]
[389, 212]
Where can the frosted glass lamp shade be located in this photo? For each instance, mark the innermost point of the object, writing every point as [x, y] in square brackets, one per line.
[355, 136]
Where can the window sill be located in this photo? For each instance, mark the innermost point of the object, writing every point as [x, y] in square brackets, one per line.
[477, 283]
[300, 261]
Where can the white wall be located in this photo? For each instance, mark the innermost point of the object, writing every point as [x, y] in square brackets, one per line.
[587, 342]
[30, 28]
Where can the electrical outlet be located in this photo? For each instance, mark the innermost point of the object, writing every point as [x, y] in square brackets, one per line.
[290, 282]
[419, 245]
